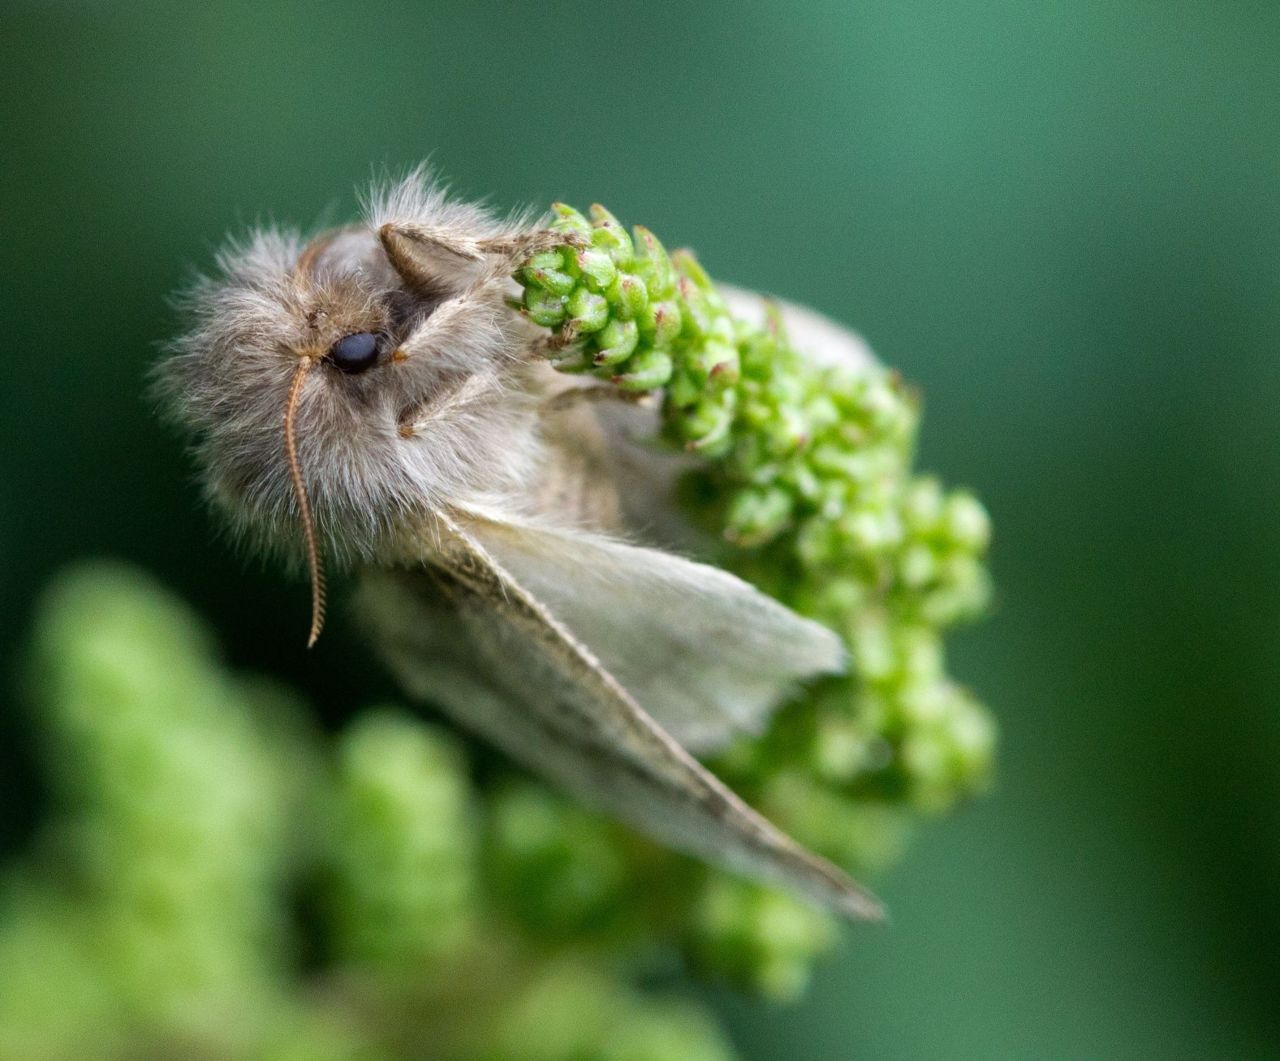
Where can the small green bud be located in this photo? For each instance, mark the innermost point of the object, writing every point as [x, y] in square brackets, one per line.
[608, 235]
[917, 566]
[950, 756]
[646, 371]
[855, 834]
[922, 505]
[544, 308]
[964, 591]
[588, 312]
[924, 704]
[966, 522]
[628, 296]
[617, 341]
[874, 656]
[550, 280]
[553, 260]
[817, 543]
[573, 360]
[973, 741]
[661, 321]
[842, 749]
[716, 359]
[706, 427]
[920, 653]
[697, 318]
[569, 221]
[881, 406]
[757, 515]
[597, 266]
[872, 531]
[687, 265]
[836, 598]
[576, 1012]
[652, 263]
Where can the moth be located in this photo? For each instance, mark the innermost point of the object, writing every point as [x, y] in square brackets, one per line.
[368, 399]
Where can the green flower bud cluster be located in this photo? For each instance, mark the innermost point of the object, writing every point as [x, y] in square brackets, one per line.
[756, 936]
[625, 310]
[807, 478]
[158, 915]
[808, 472]
[563, 873]
[560, 870]
[152, 911]
[175, 819]
[571, 1010]
[400, 848]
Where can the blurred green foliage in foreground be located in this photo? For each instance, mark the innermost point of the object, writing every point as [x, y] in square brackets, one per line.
[199, 814]
[218, 878]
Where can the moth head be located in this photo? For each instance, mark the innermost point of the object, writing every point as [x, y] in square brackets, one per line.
[339, 388]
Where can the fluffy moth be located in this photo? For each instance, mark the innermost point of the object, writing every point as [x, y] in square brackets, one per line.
[368, 399]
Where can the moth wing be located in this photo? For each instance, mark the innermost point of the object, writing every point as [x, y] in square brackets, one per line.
[817, 336]
[707, 655]
[464, 633]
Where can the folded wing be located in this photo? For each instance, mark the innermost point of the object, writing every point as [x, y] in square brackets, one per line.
[705, 654]
[465, 633]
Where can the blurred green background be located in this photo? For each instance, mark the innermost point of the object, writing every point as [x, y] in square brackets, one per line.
[1061, 220]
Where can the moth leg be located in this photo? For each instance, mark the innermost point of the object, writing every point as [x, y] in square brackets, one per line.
[527, 243]
[602, 392]
[399, 235]
[456, 395]
[433, 263]
[552, 346]
[436, 261]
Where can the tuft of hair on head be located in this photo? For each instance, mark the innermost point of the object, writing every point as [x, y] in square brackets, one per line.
[419, 195]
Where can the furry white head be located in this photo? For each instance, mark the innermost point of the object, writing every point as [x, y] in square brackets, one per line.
[340, 388]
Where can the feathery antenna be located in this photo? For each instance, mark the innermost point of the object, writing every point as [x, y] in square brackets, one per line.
[304, 503]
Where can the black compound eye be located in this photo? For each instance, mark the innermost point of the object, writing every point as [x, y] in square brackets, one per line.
[355, 353]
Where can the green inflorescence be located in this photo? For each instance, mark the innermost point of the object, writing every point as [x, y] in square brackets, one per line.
[205, 839]
[807, 477]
